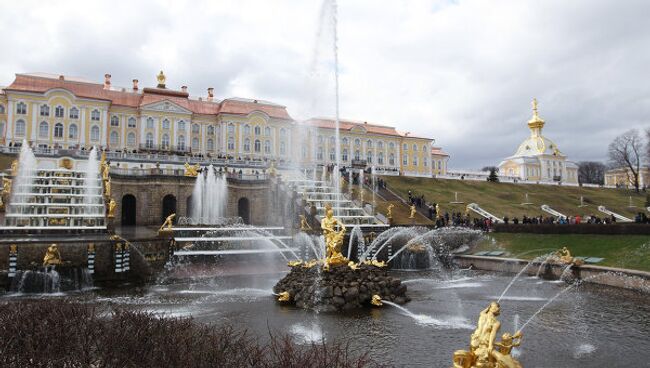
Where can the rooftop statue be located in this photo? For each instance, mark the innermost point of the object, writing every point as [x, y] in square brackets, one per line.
[52, 256]
[333, 238]
[161, 79]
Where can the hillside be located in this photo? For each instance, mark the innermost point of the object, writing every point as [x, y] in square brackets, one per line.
[505, 199]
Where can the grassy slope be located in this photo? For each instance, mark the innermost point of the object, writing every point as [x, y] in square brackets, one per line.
[625, 251]
[503, 199]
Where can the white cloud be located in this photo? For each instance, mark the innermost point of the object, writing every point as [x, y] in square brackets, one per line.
[463, 72]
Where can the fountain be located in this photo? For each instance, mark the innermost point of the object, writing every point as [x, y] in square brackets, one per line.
[209, 197]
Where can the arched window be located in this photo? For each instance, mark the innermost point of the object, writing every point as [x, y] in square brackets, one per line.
[283, 149]
[415, 160]
[415, 147]
[357, 155]
[283, 132]
[150, 123]
[115, 121]
[424, 148]
[231, 143]
[132, 122]
[94, 133]
[210, 144]
[332, 154]
[320, 139]
[74, 113]
[180, 142]
[391, 145]
[247, 145]
[267, 147]
[267, 131]
[380, 145]
[357, 142]
[43, 130]
[45, 110]
[369, 157]
[369, 144]
[391, 159]
[21, 108]
[258, 130]
[247, 129]
[130, 139]
[72, 131]
[405, 147]
[195, 145]
[165, 124]
[332, 141]
[344, 141]
[149, 141]
[114, 139]
[196, 128]
[319, 153]
[20, 128]
[405, 159]
[231, 129]
[59, 112]
[344, 155]
[380, 158]
[94, 115]
[58, 130]
[165, 141]
[258, 145]
[210, 129]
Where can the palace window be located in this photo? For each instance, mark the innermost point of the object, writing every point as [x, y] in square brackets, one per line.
[258, 130]
[180, 143]
[391, 159]
[196, 128]
[43, 130]
[94, 133]
[210, 129]
[344, 141]
[344, 155]
[94, 115]
[283, 149]
[132, 122]
[58, 130]
[391, 145]
[380, 145]
[332, 141]
[247, 145]
[283, 132]
[114, 139]
[130, 139]
[150, 123]
[231, 143]
[149, 141]
[425, 148]
[74, 113]
[369, 157]
[357, 142]
[425, 162]
[21, 108]
[210, 144]
[415, 148]
[267, 131]
[165, 142]
[320, 139]
[357, 155]
[165, 124]
[369, 144]
[258, 145]
[267, 147]
[20, 128]
[405, 147]
[195, 145]
[380, 158]
[115, 121]
[231, 129]
[72, 131]
[59, 112]
[319, 154]
[247, 129]
[45, 110]
[439, 165]
[303, 151]
[2, 109]
[415, 160]
[405, 159]
[181, 125]
[332, 154]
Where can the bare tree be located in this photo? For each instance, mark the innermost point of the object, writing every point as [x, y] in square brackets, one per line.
[591, 172]
[625, 152]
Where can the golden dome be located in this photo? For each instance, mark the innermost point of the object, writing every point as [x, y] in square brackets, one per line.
[535, 122]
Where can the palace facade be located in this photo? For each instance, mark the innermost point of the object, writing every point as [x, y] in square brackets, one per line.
[59, 112]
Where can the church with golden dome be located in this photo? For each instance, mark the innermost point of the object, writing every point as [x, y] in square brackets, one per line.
[538, 159]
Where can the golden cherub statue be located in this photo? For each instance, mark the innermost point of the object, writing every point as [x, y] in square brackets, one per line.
[413, 212]
[191, 170]
[333, 238]
[484, 351]
[389, 214]
[167, 225]
[14, 168]
[111, 208]
[304, 225]
[52, 256]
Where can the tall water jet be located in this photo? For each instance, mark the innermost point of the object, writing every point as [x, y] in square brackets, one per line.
[209, 198]
[92, 188]
[23, 184]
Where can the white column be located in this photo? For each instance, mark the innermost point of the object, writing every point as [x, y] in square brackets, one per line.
[82, 127]
[10, 121]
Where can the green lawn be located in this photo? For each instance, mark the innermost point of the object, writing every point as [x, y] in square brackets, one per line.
[624, 251]
[505, 199]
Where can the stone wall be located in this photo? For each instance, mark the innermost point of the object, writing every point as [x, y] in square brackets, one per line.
[612, 229]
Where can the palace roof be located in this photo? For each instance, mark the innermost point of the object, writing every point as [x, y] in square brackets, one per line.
[351, 126]
[438, 151]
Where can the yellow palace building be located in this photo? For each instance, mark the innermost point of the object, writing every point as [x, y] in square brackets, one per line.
[56, 112]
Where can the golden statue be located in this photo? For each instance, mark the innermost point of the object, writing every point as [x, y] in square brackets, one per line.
[389, 214]
[413, 212]
[6, 185]
[52, 256]
[353, 266]
[304, 225]
[167, 225]
[484, 351]
[191, 170]
[361, 192]
[111, 208]
[91, 248]
[376, 263]
[284, 296]
[294, 263]
[310, 264]
[438, 211]
[13, 249]
[107, 188]
[105, 170]
[161, 79]
[14, 168]
[564, 256]
[333, 238]
[376, 301]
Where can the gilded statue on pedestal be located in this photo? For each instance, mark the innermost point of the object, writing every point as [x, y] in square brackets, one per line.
[564, 256]
[389, 214]
[107, 188]
[52, 256]
[413, 212]
[167, 225]
[191, 170]
[484, 351]
[105, 170]
[111, 208]
[333, 238]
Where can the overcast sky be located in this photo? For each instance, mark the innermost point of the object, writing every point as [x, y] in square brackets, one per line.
[463, 72]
